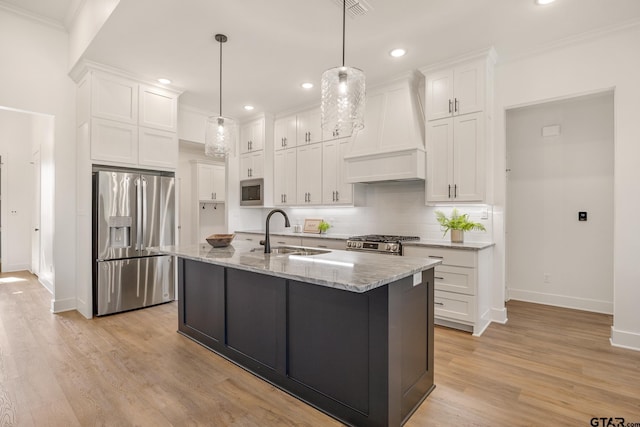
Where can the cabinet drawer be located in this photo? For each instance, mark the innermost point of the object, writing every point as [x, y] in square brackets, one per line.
[455, 279]
[459, 257]
[449, 305]
[324, 243]
[284, 240]
[250, 237]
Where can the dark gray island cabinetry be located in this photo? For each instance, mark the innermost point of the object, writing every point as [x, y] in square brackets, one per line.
[360, 352]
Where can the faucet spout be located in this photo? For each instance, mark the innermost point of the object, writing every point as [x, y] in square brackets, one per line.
[267, 244]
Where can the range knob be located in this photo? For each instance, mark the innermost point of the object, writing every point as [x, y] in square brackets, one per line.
[394, 247]
[359, 244]
[388, 247]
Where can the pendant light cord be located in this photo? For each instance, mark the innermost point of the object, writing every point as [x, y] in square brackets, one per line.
[344, 14]
[221, 78]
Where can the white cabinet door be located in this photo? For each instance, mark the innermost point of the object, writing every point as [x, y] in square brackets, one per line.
[157, 148]
[309, 173]
[114, 142]
[439, 160]
[252, 136]
[335, 189]
[308, 127]
[252, 165]
[469, 88]
[456, 91]
[284, 133]
[285, 176]
[439, 88]
[468, 158]
[114, 98]
[455, 159]
[211, 183]
[219, 183]
[158, 108]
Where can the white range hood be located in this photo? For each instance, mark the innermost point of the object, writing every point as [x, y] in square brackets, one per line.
[391, 145]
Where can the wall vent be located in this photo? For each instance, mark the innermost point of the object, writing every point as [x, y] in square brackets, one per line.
[355, 8]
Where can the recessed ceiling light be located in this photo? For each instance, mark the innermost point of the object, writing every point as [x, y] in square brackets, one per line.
[397, 53]
[543, 2]
[164, 81]
[307, 85]
[248, 107]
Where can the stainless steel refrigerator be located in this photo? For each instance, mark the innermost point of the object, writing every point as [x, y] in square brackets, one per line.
[132, 211]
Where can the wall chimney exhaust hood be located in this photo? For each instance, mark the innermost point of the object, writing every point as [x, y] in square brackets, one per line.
[391, 145]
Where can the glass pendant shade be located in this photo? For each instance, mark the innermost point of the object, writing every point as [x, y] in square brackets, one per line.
[220, 136]
[343, 100]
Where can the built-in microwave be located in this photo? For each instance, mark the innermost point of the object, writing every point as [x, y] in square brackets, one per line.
[252, 192]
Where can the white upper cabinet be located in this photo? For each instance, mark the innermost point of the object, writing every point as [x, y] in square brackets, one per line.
[335, 189]
[252, 165]
[114, 98]
[158, 108]
[157, 148]
[456, 91]
[308, 127]
[284, 133]
[210, 182]
[285, 177]
[252, 136]
[132, 124]
[309, 174]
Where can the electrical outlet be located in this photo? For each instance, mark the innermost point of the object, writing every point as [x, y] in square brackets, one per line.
[484, 214]
[547, 278]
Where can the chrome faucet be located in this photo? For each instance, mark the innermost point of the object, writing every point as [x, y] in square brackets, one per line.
[267, 245]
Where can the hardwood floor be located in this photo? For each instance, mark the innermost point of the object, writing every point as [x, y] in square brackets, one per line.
[547, 366]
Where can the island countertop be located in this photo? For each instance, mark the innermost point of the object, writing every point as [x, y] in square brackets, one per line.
[347, 270]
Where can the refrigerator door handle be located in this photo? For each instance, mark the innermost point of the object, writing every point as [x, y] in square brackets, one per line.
[138, 214]
[144, 212]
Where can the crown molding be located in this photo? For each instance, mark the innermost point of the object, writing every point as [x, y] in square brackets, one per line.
[32, 16]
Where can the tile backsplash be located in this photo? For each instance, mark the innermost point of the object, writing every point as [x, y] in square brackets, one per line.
[391, 208]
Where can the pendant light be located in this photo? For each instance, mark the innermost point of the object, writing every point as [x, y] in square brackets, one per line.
[221, 132]
[343, 95]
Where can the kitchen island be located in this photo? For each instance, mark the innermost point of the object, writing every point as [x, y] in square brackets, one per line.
[350, 333]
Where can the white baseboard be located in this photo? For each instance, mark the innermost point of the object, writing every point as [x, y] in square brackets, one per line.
[499, 315]
[58, 306]
[46, 283]
[586, 304]
[625, 339]
[10, 268]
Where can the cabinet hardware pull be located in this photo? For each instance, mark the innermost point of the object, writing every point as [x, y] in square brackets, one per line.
[285, 198]
[333, 196]
[449, 191]
[438, 303]
[435, 256]
[456, 105]
[455, 191]
[337, 196]
[450, 106]
[285, 141]
[322, 246]
[439, 278]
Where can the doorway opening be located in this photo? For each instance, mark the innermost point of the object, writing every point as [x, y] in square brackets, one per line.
[559, 216]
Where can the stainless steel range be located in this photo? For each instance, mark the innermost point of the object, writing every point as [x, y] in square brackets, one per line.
[379, 243]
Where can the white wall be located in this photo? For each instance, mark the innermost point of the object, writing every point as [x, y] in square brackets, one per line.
[552, 258]
[17, 200]
[37, 81]
[609, 61]
[90, 18]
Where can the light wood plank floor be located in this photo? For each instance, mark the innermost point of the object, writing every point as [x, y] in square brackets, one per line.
[547, 366]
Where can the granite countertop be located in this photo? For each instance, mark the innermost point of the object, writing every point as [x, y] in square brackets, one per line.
[473, 246]
[347, 270]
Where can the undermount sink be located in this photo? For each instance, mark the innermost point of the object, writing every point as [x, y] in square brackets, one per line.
[293, 250]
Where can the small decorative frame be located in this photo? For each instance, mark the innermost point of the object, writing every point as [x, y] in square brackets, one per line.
[311, 226]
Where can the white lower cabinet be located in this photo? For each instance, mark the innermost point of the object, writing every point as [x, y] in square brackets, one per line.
[309, 174]
[249, 237]
[462, 286]
[285, 177]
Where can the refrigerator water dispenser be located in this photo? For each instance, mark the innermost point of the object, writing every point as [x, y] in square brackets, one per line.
[120, 231]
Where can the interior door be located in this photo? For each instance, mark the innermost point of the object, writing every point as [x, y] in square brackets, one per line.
[35, 216]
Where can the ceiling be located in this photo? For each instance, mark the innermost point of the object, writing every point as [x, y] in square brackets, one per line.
[276, 45]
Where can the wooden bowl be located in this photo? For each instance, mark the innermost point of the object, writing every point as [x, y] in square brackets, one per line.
[220, 240]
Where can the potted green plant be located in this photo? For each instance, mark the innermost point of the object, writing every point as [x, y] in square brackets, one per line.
[323, 226]
[458, 224]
